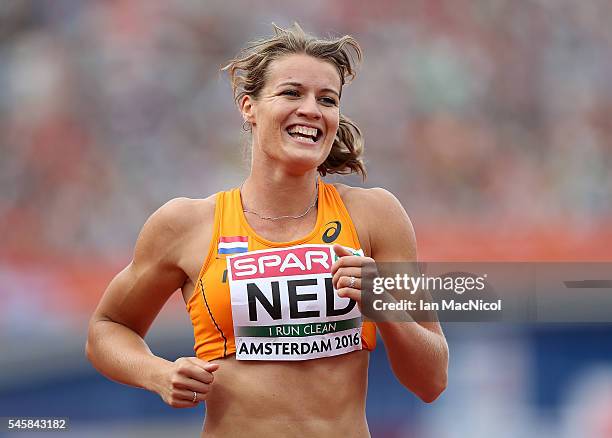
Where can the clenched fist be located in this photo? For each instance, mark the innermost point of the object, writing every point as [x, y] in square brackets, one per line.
[186, 382]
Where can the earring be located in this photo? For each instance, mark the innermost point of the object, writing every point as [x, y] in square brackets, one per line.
[246, 126]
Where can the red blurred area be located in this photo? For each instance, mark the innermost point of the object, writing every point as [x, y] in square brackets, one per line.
[80, 282]
[488, 120]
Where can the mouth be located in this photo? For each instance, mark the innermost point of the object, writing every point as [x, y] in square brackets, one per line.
[304, 134]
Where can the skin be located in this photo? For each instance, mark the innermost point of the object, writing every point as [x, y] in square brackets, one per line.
[267, 398]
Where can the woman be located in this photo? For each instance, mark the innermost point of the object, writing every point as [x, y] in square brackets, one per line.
[279, 351]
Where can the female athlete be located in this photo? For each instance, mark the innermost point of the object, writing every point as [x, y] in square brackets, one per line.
[271, 271]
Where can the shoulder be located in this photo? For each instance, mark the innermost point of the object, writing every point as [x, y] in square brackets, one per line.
[174, 223]
[180, 215]
[362, 197]
[383, 218]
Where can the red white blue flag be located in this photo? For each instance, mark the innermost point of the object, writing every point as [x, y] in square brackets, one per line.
[233, 244]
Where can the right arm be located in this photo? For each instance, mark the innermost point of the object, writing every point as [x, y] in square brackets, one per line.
[115, 343]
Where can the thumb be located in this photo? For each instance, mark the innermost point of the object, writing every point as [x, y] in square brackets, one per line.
[211, 367]
[205, 365]
[341, 251]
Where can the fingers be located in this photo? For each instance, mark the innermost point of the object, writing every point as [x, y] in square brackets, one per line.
[342, 278]
[348, 284]
[207, 366]
[347, 292]
[341, 251]
[185, 399]
[181, 382]
[192, 397]
[347, 273]
[188, 376]
[347, 258]
[196, 369]
[351, 282]
[210, 367]
[347, 262]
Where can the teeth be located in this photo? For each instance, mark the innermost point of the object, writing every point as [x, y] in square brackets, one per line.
[298, 129]
[310, 139]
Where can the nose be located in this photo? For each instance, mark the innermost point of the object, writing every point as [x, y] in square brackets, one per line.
[309, 108]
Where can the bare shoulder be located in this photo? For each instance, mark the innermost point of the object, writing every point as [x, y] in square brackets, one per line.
[363, 197]
[175, 221]
[137, 293]
[383, 219]
[183, 213]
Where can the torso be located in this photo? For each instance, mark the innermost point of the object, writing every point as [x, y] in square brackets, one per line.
[202, 211]
[280, 398]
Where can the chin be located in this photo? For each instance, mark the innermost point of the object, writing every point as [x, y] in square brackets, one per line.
[302, 165]
[300, 162]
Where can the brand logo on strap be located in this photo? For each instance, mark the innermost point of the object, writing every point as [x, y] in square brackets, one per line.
[332, 232]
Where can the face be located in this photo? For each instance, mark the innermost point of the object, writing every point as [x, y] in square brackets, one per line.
[295, 118]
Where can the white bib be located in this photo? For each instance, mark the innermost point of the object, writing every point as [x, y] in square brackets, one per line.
[284, 305]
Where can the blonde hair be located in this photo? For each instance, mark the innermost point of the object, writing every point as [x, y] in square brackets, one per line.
[248, 74]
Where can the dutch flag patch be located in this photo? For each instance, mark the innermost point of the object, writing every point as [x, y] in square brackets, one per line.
[233, 244]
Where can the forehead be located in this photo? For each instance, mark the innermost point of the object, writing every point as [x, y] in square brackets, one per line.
[308, 71]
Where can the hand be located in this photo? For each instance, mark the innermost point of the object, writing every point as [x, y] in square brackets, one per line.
[186, 376]
[346, 270]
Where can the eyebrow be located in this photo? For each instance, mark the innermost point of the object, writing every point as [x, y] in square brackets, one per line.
[297, 84]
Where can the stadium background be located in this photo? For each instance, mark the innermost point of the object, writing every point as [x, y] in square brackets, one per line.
[489, 119]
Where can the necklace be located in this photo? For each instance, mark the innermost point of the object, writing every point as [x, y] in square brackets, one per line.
[275, 218]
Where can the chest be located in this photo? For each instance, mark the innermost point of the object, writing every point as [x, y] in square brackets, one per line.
[335, 230]
[285, 230]
[284, 306]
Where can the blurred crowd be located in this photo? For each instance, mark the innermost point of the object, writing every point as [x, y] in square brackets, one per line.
[489, 119]
[492, 112]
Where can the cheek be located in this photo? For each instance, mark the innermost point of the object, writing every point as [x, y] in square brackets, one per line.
[269, 128]
[276, 122]
[333, 124]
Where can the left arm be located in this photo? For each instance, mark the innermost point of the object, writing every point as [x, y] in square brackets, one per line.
[417, 351]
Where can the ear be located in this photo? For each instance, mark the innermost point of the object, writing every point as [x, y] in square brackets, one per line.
[247, 108]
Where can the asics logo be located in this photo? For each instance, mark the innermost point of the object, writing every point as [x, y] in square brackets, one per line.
[332, 232]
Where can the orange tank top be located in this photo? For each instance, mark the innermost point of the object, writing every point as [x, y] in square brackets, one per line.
[210, 306]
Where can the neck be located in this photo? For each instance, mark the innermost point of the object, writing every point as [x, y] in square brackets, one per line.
[274, 195]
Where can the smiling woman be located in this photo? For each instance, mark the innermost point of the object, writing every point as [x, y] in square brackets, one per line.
[297, 110]
[252, 72]
[275, 308]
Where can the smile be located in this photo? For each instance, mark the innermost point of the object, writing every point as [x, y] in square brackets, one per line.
[304, 133]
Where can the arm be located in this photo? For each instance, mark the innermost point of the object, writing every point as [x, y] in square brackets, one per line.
[417, 351]
[115, 344]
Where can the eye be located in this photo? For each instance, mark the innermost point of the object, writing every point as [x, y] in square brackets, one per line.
[329, 101]
[292, 93]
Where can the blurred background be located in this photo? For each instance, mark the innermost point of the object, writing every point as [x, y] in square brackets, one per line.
[489, 119]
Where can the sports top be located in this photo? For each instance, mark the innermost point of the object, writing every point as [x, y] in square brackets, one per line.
[210, 306]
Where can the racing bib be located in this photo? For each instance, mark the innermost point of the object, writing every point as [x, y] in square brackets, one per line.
[284, 305]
